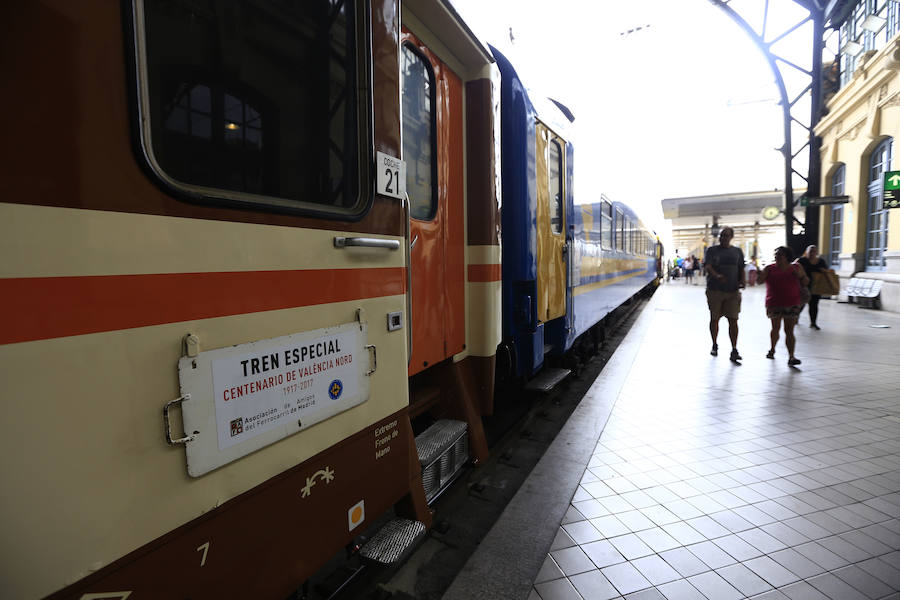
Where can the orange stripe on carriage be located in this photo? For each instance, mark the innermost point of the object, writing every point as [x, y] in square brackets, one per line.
[50, 307]
[484, 273]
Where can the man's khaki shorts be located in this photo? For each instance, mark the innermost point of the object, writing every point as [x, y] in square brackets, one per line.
[723, 304]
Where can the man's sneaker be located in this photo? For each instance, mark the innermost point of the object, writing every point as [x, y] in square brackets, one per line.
[734, 355]
[715, 350]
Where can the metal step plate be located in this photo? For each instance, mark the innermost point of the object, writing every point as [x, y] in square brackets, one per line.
[432, 442]
[443, 450]
[393, 542]
[547, 379]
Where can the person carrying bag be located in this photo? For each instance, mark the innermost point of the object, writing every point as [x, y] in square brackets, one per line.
[813, 264]
[825, 283]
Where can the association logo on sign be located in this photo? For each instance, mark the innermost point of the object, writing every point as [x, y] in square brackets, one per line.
[237, 426]
[335, 389]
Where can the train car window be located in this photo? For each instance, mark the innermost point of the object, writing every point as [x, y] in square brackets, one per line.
[556, 187]
[606, 225]
[257, 103]
[419, 133]
[629, 236]
[620, 231]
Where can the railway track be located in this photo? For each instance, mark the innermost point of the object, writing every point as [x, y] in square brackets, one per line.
[524, 426]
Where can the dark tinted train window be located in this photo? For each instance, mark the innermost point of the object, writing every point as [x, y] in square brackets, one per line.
[257, 101]
[606, 225]
[556, 187]
[419, 127]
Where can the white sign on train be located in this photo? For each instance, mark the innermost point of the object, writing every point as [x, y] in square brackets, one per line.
[390, 175]
[288, 383]
[257, 393]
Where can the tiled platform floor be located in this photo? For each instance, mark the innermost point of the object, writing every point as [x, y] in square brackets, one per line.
[720, 481]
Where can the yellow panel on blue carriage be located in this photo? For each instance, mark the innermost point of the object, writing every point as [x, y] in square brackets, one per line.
[551, 225]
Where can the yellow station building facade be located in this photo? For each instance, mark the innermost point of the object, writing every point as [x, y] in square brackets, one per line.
[862, 237]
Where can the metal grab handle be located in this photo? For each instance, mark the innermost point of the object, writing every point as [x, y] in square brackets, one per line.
[374, 359]
[169, 440]
[343, 242]
[409, 245]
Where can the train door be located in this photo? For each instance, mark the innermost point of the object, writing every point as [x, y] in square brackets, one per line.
[551, 226]
[432, 148]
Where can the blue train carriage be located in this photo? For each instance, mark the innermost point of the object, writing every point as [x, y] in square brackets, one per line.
[614, 257]
[537, 207]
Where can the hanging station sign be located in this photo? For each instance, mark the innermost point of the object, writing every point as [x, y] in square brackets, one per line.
[892, 189]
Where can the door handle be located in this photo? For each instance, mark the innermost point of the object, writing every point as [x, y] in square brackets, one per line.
[343, 242]
[409, 316]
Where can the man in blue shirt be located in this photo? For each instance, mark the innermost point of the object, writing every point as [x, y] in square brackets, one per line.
[724, 266]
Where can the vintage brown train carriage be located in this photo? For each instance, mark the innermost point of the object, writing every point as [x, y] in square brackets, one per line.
[203, 211]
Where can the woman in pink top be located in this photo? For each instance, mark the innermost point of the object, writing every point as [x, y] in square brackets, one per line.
[783, 303]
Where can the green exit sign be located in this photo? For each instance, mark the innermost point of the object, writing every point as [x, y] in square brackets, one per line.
[892, 189]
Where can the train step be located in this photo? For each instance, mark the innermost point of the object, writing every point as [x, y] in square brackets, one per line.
[547, 379]
[393, 542]
[443, 451]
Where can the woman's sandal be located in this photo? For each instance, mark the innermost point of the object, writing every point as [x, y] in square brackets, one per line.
[770, 354]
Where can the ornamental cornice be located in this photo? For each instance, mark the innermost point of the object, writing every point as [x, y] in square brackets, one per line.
[892, 100]
[853, 132]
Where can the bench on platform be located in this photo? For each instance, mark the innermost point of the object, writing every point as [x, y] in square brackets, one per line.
[866, 292]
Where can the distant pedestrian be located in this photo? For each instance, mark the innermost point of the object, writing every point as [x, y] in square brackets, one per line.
[783, 299]
[688, 266]
[724, 265]
[813, 263]
[751, 273]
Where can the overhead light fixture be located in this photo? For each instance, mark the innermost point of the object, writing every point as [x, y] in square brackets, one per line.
[232, 126]
[873, 23]
[851, 48]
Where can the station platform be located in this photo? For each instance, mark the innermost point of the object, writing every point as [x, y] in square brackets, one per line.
[682, 475]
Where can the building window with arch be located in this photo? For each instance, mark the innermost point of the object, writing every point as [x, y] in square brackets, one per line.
[837, 218]
[866, 25]
[877, 221]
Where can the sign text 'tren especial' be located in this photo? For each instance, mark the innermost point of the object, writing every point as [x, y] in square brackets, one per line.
[258, 365]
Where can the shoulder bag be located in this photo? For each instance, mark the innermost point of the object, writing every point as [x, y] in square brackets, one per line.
[825, 283]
